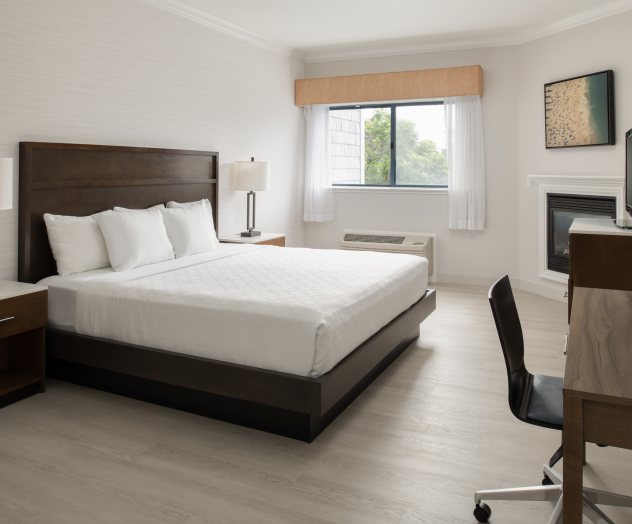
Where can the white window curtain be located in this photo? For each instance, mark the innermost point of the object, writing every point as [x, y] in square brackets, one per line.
[319, 197]
[466, 162]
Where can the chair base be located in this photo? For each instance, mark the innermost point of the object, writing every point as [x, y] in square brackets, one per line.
[555, 492]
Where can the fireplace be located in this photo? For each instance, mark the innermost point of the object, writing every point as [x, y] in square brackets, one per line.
[561, 211]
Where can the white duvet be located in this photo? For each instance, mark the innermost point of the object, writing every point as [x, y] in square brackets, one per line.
[297, 311]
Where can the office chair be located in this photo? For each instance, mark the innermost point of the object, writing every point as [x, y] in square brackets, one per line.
[537, 400]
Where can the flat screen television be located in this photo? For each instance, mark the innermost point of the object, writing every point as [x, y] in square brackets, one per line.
[625, 222]
[628, 171]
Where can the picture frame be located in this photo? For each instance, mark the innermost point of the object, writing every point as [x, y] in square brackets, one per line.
[579, 111]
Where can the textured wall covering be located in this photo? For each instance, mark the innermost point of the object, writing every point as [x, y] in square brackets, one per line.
[463, 257]
[603, 44]
[122, 72]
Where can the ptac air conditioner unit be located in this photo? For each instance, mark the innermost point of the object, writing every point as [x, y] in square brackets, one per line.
[409, 245]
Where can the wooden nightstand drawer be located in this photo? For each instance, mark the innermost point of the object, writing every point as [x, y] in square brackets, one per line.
[23, 319]
[23, 313]
[279, 242]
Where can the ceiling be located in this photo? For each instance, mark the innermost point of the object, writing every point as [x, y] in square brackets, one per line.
[327, 27]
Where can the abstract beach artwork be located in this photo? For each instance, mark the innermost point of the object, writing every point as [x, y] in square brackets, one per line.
[580, 111]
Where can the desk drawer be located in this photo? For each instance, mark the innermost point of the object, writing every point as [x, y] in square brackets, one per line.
[23, 313]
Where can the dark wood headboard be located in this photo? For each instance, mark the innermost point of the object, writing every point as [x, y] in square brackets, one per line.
[80, 180]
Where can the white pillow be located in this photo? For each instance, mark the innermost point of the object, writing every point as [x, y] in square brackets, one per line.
[209, 210]
[77, 244]
[189, 229]
[159, 206]
[134, 239]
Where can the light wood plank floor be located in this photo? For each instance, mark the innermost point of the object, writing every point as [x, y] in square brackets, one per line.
[412, 449]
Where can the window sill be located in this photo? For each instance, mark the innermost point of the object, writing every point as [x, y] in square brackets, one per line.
[391, 190]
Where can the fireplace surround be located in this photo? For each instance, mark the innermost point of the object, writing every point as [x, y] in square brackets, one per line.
[587, 185]
[562, 209]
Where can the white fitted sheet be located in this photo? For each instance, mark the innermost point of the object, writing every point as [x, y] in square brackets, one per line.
[293, 310]
[62, 295]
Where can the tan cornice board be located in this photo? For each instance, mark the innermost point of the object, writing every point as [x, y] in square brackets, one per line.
[405, 85]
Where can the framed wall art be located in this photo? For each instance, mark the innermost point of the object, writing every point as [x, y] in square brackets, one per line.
[579, 111]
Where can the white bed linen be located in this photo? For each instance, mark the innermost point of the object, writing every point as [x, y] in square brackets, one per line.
[297, 311]
[62, 294]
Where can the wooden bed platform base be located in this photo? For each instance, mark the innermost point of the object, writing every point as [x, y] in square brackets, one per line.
[83, 179]
[289, 405]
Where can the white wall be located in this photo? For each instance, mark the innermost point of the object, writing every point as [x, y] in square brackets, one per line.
[124, 73]
[473, 257]
[586, 49]
[513, 119]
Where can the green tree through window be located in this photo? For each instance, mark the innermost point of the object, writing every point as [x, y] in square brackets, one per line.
[377, 148]
[418, 161]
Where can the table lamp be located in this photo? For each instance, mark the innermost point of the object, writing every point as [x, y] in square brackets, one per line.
[6, 183]
[251, 176]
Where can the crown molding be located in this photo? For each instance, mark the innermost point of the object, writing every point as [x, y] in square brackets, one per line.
[196, 15]
[429, 46]
[576, 20]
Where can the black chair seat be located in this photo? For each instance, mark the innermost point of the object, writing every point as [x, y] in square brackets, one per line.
[546, 402]
[543, 398]
[541, 394]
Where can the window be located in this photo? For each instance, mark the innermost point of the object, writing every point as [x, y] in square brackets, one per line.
[389, 145]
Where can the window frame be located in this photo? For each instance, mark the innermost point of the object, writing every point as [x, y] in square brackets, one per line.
[393, 108]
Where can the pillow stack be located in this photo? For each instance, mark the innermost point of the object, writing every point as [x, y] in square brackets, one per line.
[125, 238]
[189, 230]
[209, 210]
[77, 244]
[134, 238]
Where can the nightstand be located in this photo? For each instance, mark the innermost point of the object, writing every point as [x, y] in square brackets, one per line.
[265, 239]
[23, 319]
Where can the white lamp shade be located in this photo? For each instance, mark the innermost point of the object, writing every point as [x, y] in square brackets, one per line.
[6, 183]
[251, 176]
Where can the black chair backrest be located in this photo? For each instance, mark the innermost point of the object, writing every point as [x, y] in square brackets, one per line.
[509, 329]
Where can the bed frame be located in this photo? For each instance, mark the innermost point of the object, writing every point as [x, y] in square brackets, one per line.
[80, 180]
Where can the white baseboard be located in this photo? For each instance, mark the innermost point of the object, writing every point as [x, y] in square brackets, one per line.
[552, 291]
[466, 280]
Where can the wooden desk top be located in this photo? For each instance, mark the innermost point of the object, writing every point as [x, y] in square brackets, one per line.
[598, 226]
[599, 354]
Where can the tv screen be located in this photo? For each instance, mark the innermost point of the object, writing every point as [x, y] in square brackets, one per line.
[628, 171]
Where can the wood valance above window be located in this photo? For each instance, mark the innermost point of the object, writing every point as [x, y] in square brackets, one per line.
[404, 85]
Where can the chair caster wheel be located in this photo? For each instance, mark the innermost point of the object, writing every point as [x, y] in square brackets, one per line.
[482, 512]
[546, 481]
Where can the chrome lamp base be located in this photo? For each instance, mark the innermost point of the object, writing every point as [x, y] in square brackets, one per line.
[251, 229]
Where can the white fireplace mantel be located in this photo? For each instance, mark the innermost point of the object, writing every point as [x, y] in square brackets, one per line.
[571, 185]
[582, 182]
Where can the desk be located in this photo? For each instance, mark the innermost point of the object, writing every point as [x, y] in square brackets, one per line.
[598, 250]
[597, 384]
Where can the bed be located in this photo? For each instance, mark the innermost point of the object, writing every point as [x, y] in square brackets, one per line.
[292, 383]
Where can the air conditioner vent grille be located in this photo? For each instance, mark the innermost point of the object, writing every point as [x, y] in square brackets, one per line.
[419, 245]
[374, 239]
